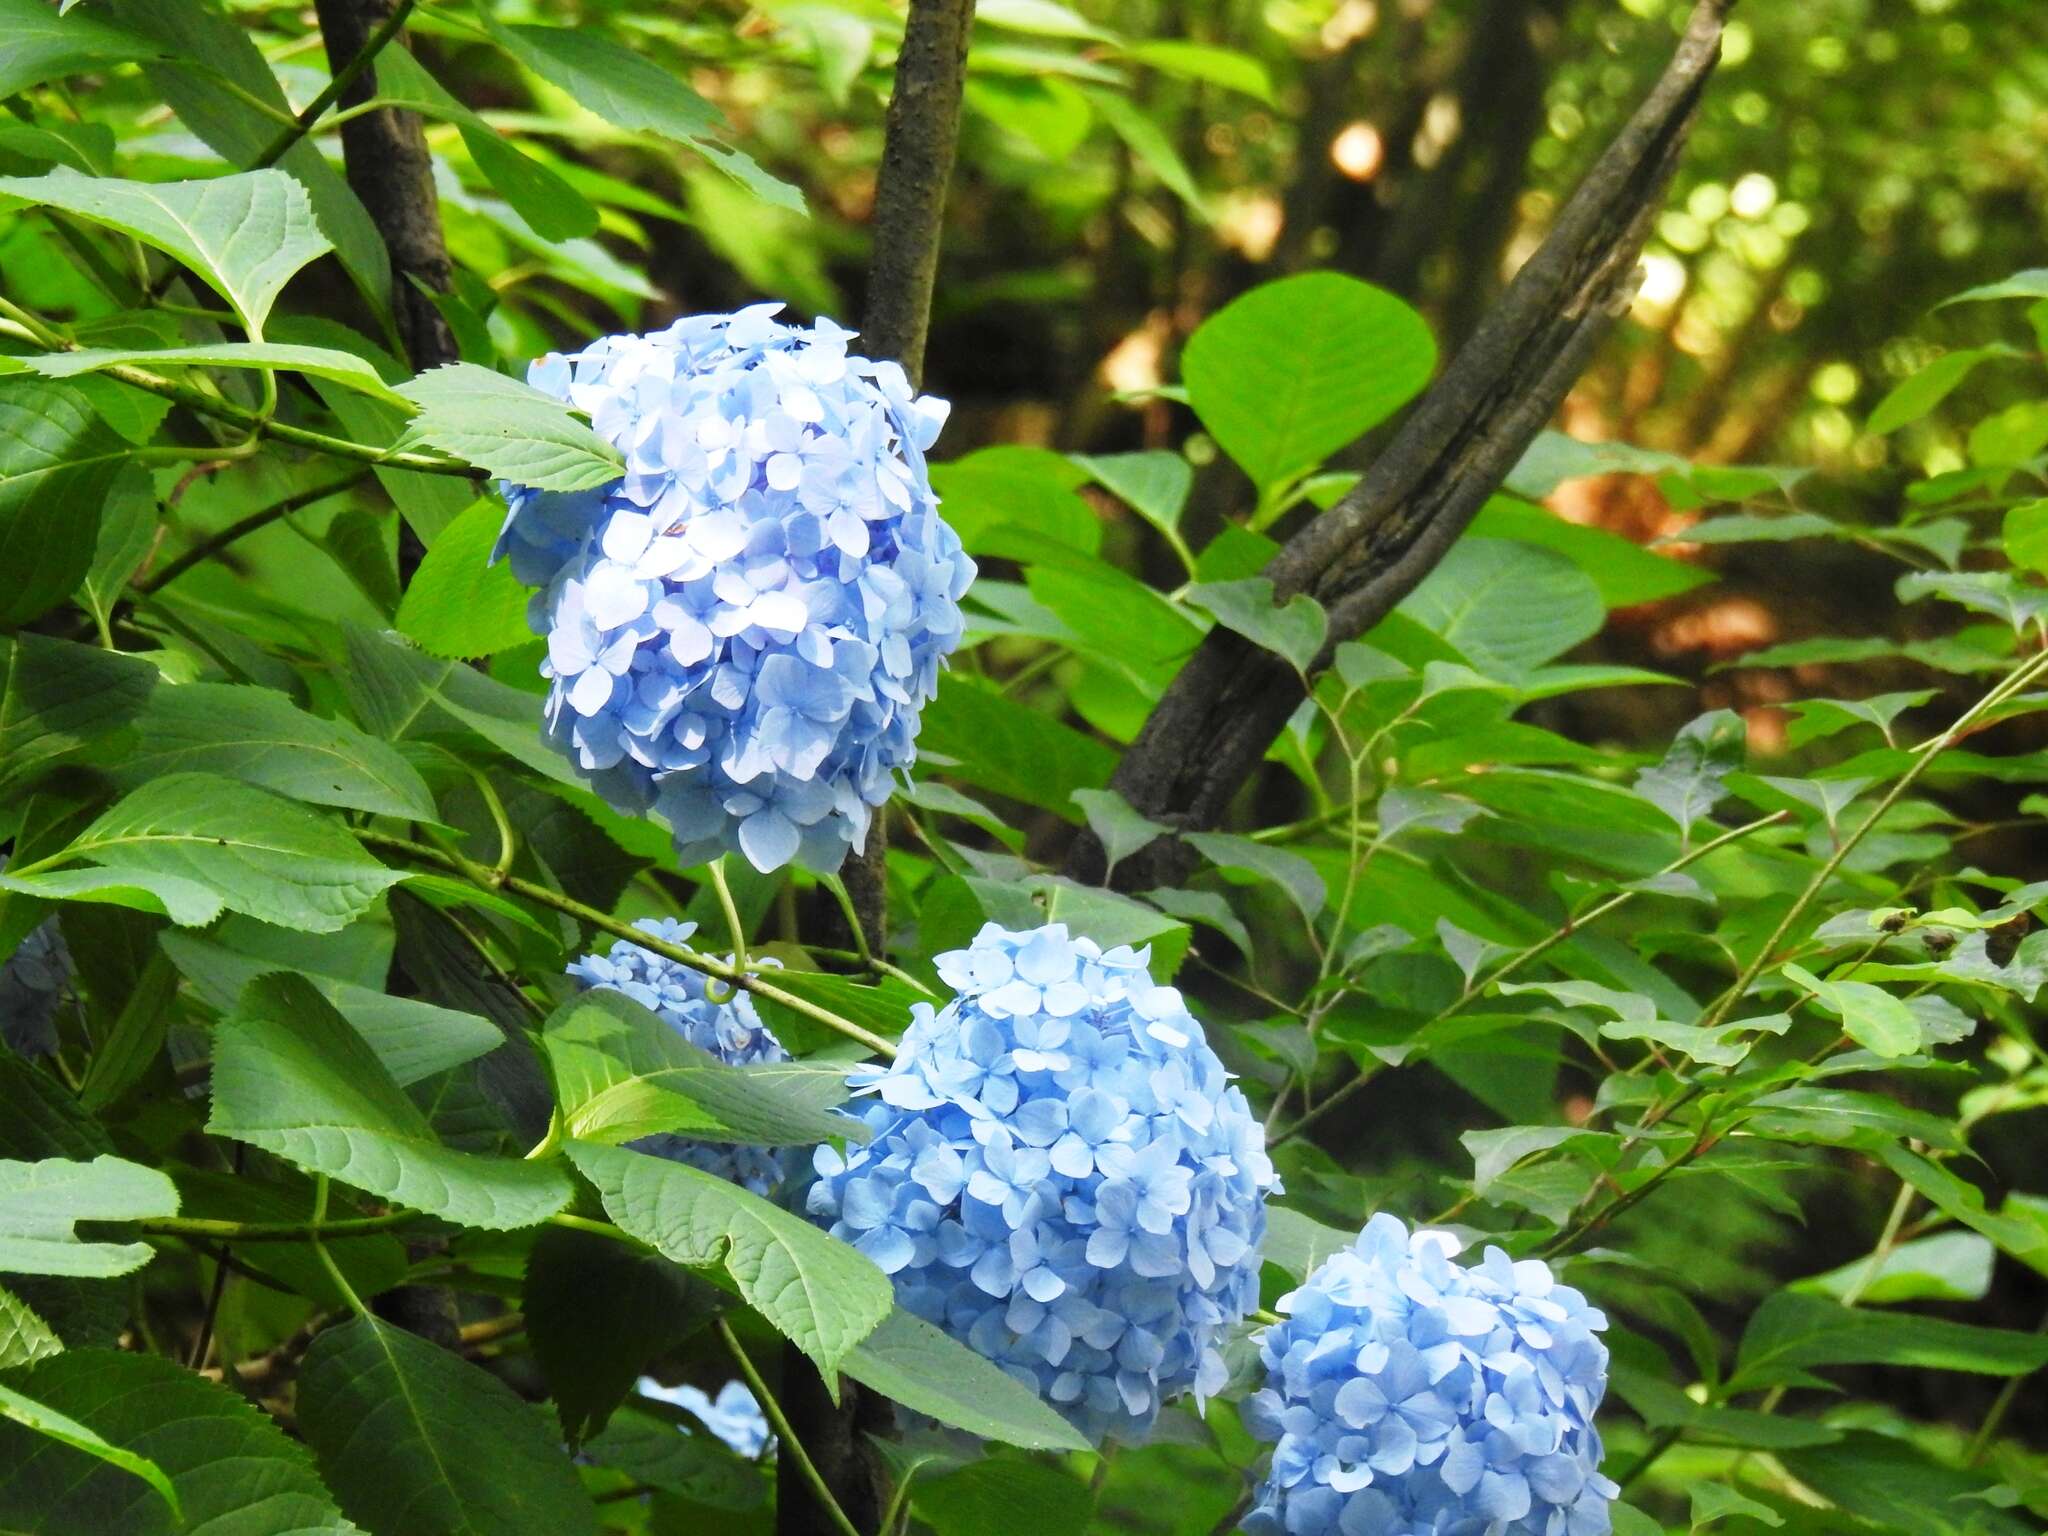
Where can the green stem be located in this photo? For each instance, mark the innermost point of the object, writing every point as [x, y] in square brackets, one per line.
[275, 1231]
[726, 905]
[789, 1445]
[606, 923]
[348, 1292]
[241, 528]
[303, 124]
[1981, 1441]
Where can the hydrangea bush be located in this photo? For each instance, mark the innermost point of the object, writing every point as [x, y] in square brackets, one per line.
[1062, 1175]
[731, 1030]
[1410, 1394]
[743, 629]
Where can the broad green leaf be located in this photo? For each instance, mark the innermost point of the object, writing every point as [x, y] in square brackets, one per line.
[1153, 148]
[2030, 284]
[1292, 371]
[507, 428]
[1226, 67]
[1689, 782]
[1295, 631]
[1623, 570]
[416, 1441]
[290, 1076]
[57, 463]
[1818, 718]
[1264, 862]
[24, 1337]
[910, 1362]
[318, 362]
[672, 1456]
[1011, 485]
[629, 91]
[126, 537]
[1111, 919]
[235, 1473]
[1043, 18]
[1914, 396]
[2015, 1231]
[1841, 1117]
[993, 1495]
[621, 1073]
[1552, 458]
[1717, 1501]
[414, 1039]
[250, 850]
[245, 235]
[1507, 607]
[42, 46]
[41, 1202]
[1001, 745]
[1791, 1334]
[1759, 528]
[1997, 593]
[1949, 1266]
[1889, 1484]
[824, 1296]
[56, 698]
[2025, 535]
[1495, 1152]
[1121, 830]
[259, 737]
[556, 210]
[1154, 484]
[458, 603]
[41, 1420]
[1299, 1243]
[1870, 1016]
[2009, 438]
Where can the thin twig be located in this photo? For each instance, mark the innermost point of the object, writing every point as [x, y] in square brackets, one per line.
[241, 528]
[789, 1445]
[281, 145]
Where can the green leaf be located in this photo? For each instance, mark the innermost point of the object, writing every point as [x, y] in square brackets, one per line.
[1759, 528]
[622, 1073]
[1111, 919]
[1121, 830]
[1949, 1266]
[1791, 1333]
[47, 1422]
[2030, 284]
[1507, 607]
[1248, 608]
[1914, 396]
[508, 428]
[40, 1202]
[1689, 782]
[629, 91]
[1146, 140]
[246, 235]
[2018, 1234]
[1717, 1501]
[24, 1337]
[41, 46]
[1298, 1243]
[556, 210]
[290, 1076]
[1005, 747]
[317, 362]
[1870, 1016]
[1292, 371]
[593, 1355]
[58, 461]
[56, 698]
[1623, 570]
[822, 1295]
[1262, 861]
[2025, 535]
[414, 1039]
[1840, 1117]
[416, 1441]
[992, 1496]
[260, 737]
[1226, 67]
[458, 604]
[1893, 1486]
[1154, 484]
[909, 1361]
[235, 1473]
[673, 1457]
[1014, 486]
[233, 845]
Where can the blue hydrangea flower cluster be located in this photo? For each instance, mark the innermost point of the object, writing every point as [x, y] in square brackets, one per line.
[732, 1031]
[1061, 1175]
[743, 629]
[733, 1416]
[1412, 1396]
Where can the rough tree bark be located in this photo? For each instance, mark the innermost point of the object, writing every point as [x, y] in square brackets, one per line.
[922, 133]
[1212, 727]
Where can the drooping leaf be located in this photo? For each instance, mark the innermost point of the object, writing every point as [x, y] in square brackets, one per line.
[42, 45]
[1792, 1334]
[507, 428]
[290, 1076]
[260, 737]
[1292, 371]
[1121, 830]
[910, 1362]
[57, 697]
[41, 1203]
[57, 462]
[1688, 783]
[1294, 631]
[1263, 861]
[823, 1295]
[243, 235]
[416, 1441]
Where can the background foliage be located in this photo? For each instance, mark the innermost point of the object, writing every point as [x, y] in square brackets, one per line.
[1651, 892]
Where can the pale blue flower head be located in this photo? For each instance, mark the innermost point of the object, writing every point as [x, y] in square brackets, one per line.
[744, 628]
[732, 1031]
[1414, 1396]
[733, 1416]
[1061, 1174]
